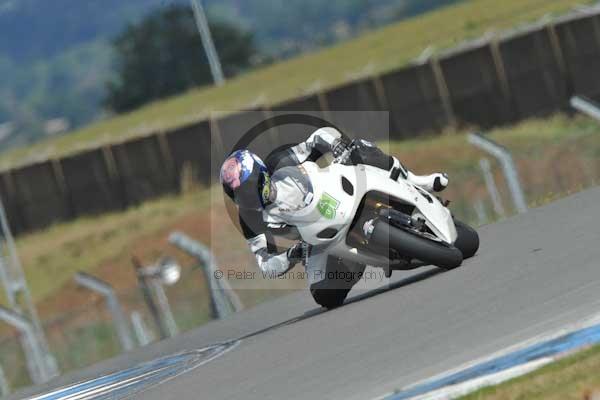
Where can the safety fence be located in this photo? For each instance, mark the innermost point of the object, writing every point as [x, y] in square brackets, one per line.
[87, 334]
[86, 330]
[493, 81]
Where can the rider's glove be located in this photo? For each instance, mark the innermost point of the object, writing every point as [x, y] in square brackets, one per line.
[339, 145]
[440, 182]
[295, 254]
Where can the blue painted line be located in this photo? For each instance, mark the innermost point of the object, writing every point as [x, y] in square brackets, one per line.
[112, 378]
[562, 344]
[141, 377]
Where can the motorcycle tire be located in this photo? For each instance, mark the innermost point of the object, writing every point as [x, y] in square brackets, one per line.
[416, 247]
[329, 298]
[331, 293]
[467, 240]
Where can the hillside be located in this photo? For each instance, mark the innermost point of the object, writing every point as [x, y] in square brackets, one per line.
[378, 51]
[55, 57]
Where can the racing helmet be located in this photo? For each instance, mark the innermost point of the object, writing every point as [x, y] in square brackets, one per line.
[246, 180]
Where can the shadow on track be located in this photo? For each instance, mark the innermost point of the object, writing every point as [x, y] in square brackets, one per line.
[360, 297]
[395, 285]
[363, 296]
[373, 292]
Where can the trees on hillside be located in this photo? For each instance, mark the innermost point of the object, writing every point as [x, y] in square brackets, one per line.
[162, 55]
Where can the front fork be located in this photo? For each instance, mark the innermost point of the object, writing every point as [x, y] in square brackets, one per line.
[394, 218]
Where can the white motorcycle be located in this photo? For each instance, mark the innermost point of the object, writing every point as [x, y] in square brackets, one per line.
[363, 216]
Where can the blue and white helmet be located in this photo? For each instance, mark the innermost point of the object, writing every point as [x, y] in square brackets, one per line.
[246, 179]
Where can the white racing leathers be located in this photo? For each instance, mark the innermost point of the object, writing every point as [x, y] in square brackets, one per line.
[292, 191]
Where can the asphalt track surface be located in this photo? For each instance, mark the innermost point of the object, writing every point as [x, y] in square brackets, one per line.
[534, 273]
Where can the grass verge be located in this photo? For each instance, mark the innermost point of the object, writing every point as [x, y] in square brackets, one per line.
[53, 255]
[573, 377]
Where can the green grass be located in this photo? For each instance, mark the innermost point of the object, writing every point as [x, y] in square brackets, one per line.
[51, 256]
[86, 345]
[570, 378]
[379, 51]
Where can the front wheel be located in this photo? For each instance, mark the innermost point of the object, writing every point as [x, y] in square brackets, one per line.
[467, 239]
[342, 275]
[329, 298]
[412, 245]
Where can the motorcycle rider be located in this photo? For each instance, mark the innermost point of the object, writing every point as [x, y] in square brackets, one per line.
[280, 185]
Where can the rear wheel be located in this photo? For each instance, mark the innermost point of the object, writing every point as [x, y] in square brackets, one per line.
[414, 246]
[467, 240]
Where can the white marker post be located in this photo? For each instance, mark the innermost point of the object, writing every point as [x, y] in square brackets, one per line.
[103, 288]
[224, 300]
[490, 183]
[586, 106]
[36, 362]
[508, 166]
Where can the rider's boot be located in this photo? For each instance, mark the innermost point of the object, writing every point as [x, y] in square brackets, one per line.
[432, 183]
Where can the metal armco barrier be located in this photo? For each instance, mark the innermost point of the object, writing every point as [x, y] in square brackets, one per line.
[36, 360]
[143, 334]
[224, 300]
[4, 386]
[480, 211]
[490, 184]
[20, 302]
[586, 106]
[508, 166]
[164, 306]
[114, 307]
